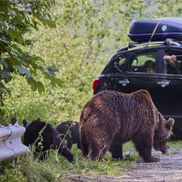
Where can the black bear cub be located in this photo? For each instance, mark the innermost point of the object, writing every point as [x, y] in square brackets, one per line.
[69, 132]
[44, 137]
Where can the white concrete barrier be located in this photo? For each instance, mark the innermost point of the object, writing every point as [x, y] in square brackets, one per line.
[10, 141]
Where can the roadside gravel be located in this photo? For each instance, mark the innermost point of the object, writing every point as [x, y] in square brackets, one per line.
[169, 169]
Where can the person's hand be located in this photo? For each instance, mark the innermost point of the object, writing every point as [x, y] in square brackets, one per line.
[166, 57]
[173, 58]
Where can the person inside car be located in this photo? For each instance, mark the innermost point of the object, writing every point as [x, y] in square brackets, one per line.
[170, 59]
[149, 66]
[171, 65]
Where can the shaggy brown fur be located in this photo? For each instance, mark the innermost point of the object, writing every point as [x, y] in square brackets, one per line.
[112, 118]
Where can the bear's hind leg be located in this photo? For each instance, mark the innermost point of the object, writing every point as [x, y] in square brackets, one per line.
[84, 144]
[116, 150]
[143, 144]
[97, 152]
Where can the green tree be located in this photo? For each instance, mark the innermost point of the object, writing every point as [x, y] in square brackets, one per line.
[87, 34]
[168, 8]
[17, 17]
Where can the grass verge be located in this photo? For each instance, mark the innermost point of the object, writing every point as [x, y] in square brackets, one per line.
[57, 168]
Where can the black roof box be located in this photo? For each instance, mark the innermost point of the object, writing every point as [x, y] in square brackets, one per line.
[156, 29]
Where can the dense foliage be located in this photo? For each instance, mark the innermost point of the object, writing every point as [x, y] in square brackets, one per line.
[17, 17]
[86, 34]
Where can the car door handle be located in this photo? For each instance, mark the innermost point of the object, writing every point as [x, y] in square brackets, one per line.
[163, 83]
[124, 82]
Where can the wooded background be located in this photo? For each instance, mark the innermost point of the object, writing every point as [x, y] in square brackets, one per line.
[51, 51]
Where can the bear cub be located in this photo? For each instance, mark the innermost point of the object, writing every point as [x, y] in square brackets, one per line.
[44, 137]
[69, 132]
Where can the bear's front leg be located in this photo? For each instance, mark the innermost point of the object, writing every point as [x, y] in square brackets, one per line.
[143, 144]
[64, 151]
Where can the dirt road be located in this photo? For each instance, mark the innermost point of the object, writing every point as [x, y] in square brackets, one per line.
[169, 169]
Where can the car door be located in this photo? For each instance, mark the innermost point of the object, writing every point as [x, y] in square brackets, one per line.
[164, 87]
[126, 72]
[169, 97]
[137, 76]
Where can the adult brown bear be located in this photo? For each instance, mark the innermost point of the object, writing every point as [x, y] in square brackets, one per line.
[112, 118]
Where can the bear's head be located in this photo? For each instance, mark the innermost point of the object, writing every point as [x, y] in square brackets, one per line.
[162, 134]
[40, 135]
[32, 132]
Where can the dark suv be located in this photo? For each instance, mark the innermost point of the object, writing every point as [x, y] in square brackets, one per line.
[141, 65]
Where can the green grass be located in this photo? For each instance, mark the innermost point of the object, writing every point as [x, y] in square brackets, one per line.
[176, 144]
[107, 166]
[57, 168]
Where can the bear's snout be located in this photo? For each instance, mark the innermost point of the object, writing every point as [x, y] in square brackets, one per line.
[166, 150]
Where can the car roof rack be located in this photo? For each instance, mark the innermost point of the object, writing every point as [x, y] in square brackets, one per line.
[133, 44]
[172, 42]
[167, 42]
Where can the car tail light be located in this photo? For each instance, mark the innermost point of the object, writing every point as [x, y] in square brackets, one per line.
[95, 83]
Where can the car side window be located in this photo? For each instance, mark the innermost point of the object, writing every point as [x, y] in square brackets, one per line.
[172, 62]
[119, 63]
[144, 62]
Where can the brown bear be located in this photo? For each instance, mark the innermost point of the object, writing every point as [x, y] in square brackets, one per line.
[112, 118]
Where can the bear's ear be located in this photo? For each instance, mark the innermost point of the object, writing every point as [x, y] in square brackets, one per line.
[170, 123]
[13, 121]
[26, 123]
